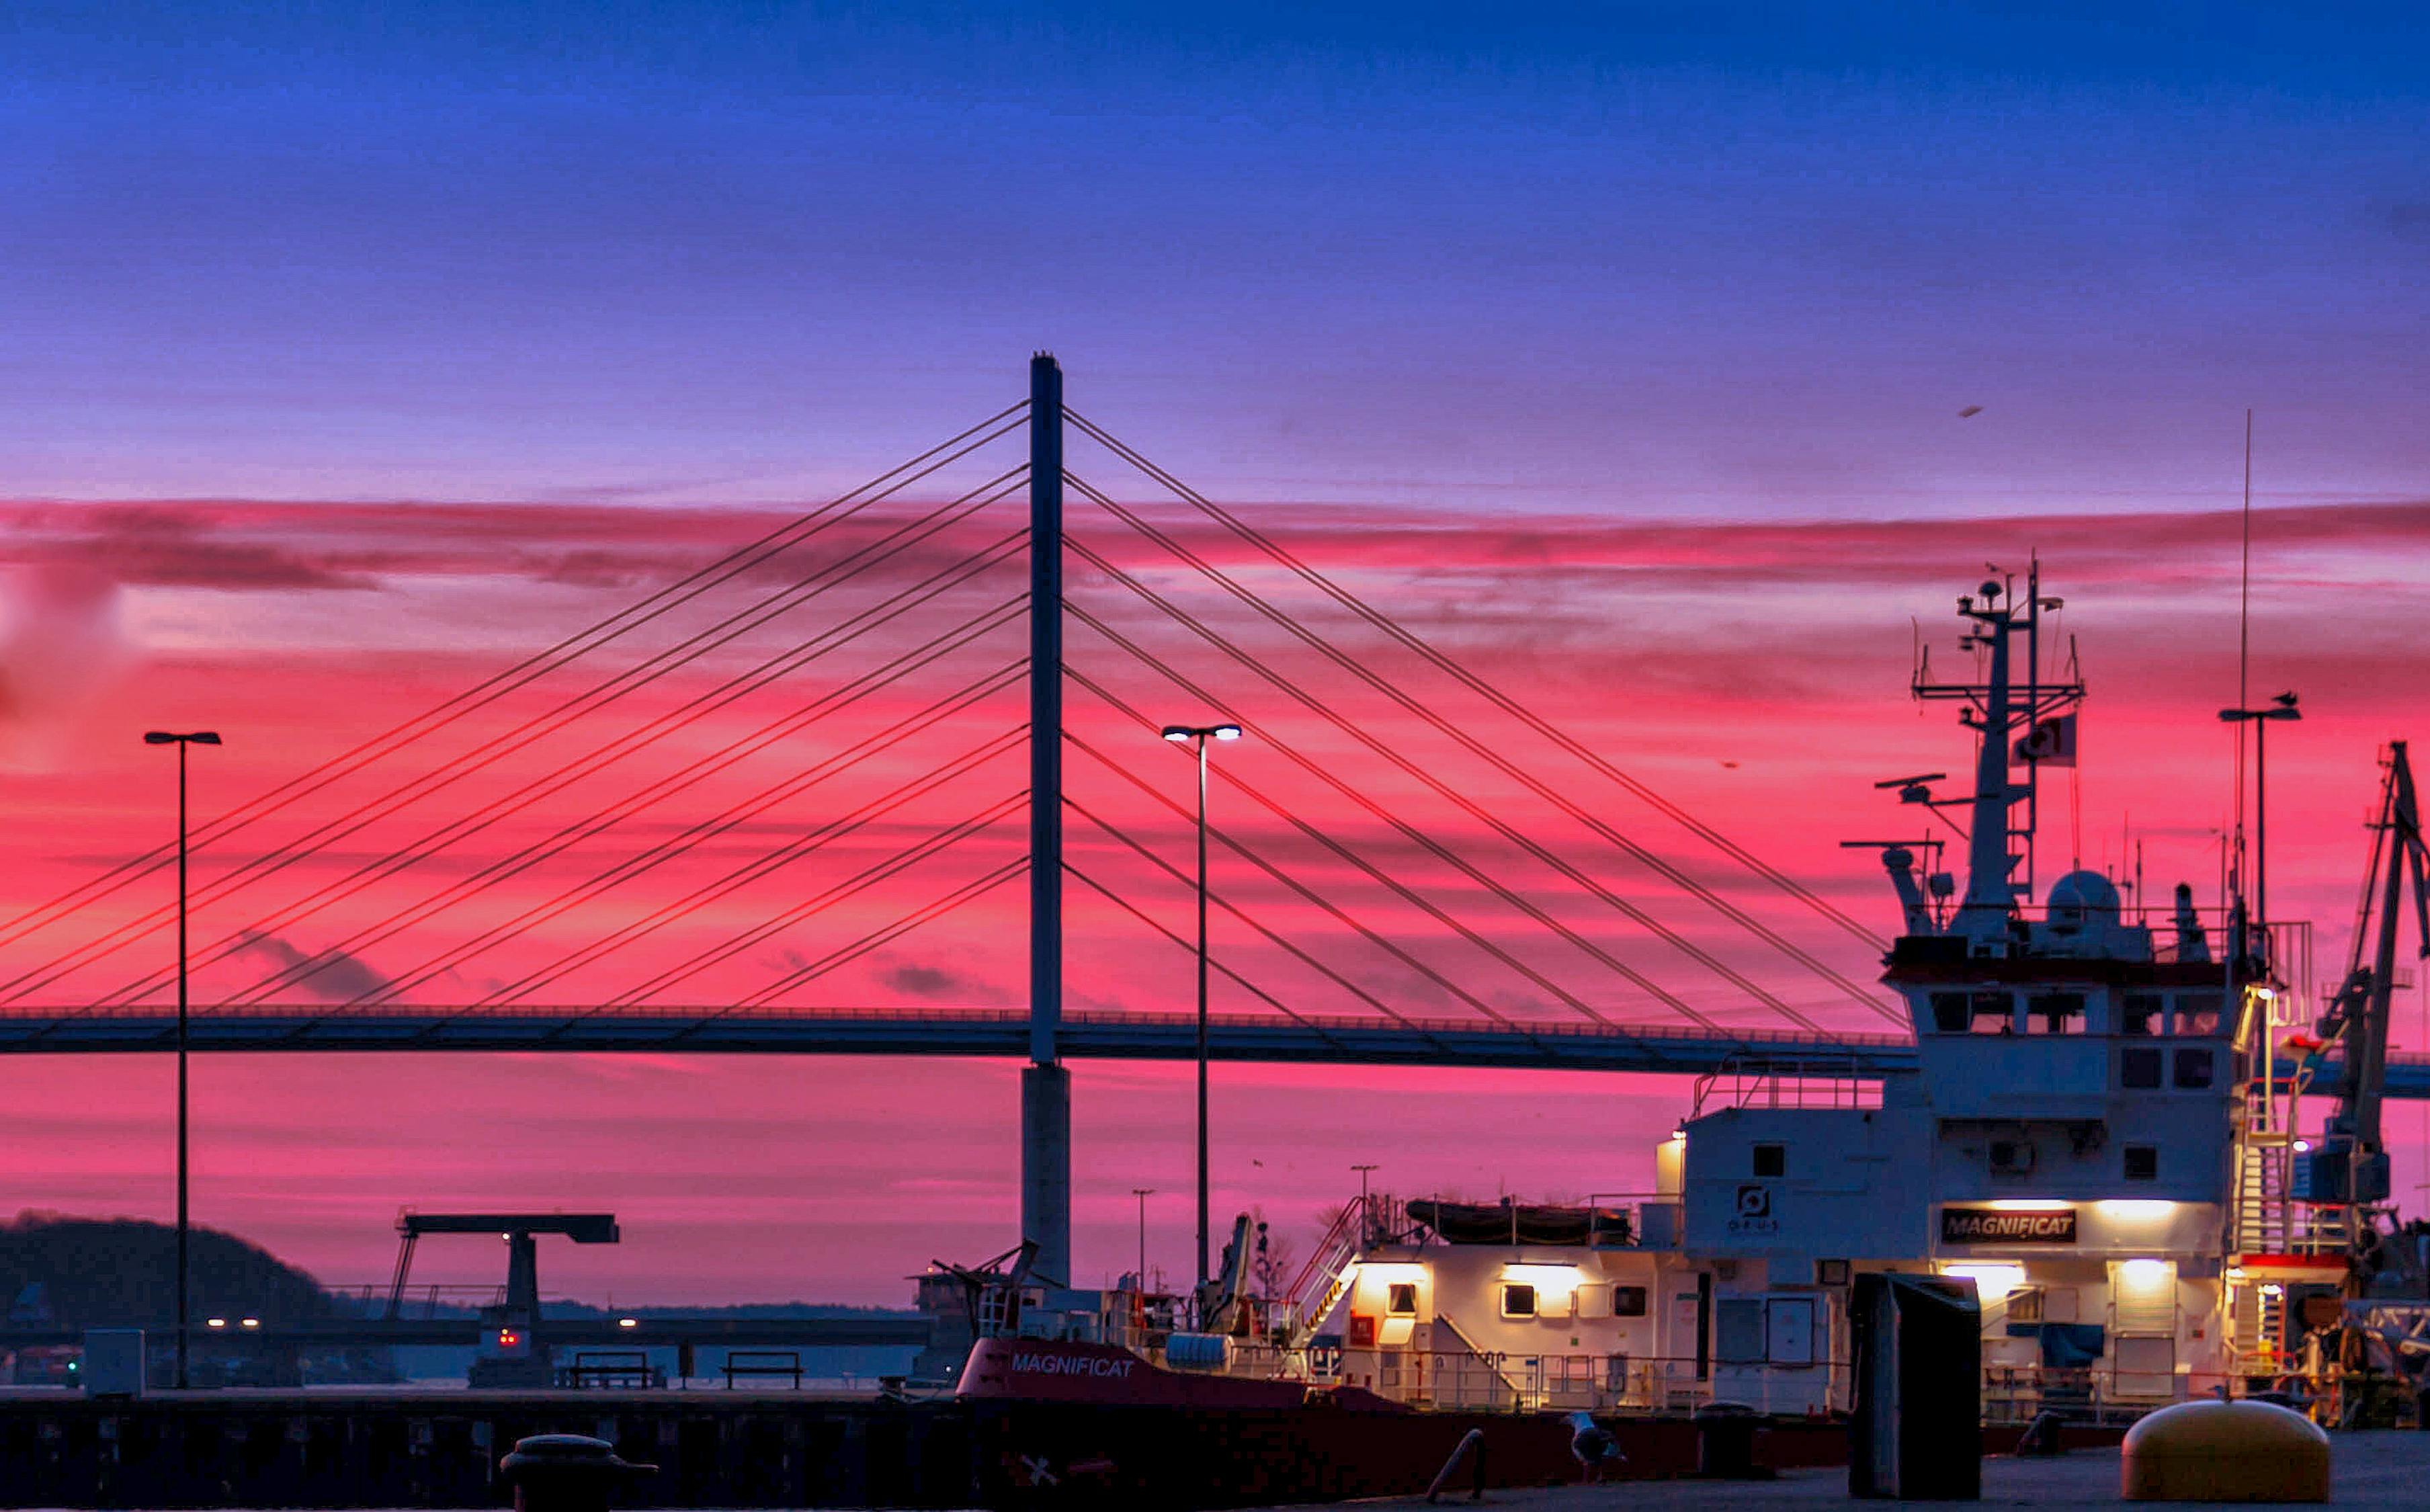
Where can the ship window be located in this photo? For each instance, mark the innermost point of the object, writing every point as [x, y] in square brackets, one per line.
[1770, 1159]
[2198, 1013]
[2142, 1162]
[2059, 1012]
[1518, 1300]
[2139, 1067]
[1628, 1301]
[2193, 1067]
[1401, 1298]
[2138, 1012]
[1991, 1011]
[1949, 1012]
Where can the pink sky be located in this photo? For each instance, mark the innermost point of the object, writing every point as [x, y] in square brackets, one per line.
[1753, 671]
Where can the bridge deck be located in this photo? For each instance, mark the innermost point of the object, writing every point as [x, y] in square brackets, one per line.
[993, 1034]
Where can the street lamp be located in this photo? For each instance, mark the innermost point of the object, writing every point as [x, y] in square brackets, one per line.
[2281, 708]
[1199, 734]
[181, 741]
[1142, 1194]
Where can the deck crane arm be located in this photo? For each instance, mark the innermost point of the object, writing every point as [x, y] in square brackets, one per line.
[2351, 1164]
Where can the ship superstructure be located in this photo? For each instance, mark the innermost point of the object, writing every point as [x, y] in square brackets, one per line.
[2101, 1132]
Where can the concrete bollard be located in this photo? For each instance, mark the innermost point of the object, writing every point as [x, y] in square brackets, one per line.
[566, 1472]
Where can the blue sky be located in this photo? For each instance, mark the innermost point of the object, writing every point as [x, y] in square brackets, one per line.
[1639, 259]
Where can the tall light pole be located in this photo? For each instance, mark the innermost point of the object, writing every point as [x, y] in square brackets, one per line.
[181, 741]
[1142, 1194]
[2280, 708]
[1199, 734]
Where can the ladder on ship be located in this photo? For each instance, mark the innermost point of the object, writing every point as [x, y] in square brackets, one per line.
[1331, 1266]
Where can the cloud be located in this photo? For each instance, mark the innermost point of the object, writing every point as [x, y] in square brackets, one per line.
[334, 975]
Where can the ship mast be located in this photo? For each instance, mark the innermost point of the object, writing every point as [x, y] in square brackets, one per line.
[2033, 724]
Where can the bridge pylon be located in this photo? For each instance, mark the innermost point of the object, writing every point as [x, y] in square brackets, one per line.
[1045, 1081]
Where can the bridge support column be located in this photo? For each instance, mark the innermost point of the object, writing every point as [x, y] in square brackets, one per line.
[1046, 1166]
[1045, 1085]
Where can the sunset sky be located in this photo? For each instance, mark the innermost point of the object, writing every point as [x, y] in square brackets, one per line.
[352, 359]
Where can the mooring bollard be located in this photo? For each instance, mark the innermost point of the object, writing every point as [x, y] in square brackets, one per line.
[1471, 1448]
[567, 1473]
[1725, 1441]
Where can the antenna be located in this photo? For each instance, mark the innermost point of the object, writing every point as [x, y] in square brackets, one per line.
[2243, 650]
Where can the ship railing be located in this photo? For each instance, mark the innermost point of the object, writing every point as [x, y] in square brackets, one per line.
[2100, 1393]
[1500, 1381]
[1794, 1081]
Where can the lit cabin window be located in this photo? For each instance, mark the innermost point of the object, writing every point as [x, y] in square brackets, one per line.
[1518, 1300]
[1400, 1299]
[2198, 1013]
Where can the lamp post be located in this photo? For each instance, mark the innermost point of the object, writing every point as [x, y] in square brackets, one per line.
[2280, 708]
[1142, 1194]
[181, 741]
[1198, 735]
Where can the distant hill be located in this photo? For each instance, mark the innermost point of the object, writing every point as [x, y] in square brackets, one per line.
[122, 1272]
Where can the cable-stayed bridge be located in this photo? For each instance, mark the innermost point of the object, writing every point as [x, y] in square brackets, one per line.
[785, 801]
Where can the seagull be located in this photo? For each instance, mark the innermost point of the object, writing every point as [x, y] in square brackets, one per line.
[1592, 1446]
[1970, 412]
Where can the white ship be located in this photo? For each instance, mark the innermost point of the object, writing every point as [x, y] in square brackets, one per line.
[2102, 1133]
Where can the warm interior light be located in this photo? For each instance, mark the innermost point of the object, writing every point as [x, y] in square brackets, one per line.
[1991, 1281]
[1549, 1280]
[252, 1322]
[2145, 1274]
[1392, 1269]
[215, 1322]
[2026, 1204]
[628, 1323]
[2135, 1210]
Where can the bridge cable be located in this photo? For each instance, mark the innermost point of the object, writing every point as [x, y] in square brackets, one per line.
[1483, 689]
[498, 684]
[838, 572]
[1384, 750]
[639, 862]
[877, 939]
[1269, 739]
[753, 870]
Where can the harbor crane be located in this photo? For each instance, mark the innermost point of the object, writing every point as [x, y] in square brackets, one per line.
[2348, 1168]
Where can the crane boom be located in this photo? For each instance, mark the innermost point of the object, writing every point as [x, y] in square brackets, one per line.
[2351, 1164]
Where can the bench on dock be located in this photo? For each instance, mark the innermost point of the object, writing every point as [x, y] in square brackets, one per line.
[627, 1370]
[763, 1362]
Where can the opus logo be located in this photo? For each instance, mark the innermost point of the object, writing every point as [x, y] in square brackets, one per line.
[1753, 1211]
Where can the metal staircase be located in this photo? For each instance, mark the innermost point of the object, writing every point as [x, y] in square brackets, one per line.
[1325, 1278]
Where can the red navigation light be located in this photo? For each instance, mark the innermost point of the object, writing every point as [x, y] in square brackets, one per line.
[509, 1339]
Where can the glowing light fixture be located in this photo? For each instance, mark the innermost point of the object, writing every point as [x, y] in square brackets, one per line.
[628, 1323]
[2135, 1210]
[2142, 1274]
[1991, 1281]
[251, 1322]
[2026, 1204]
[214, 1323]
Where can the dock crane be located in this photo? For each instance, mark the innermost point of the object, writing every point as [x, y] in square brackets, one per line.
[2349, 1167]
